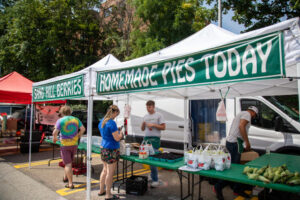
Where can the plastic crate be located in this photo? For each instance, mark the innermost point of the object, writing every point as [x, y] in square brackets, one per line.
[78, 169]
[137, 185]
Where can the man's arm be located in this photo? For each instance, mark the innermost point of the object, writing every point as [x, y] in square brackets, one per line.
[158, 126]
[55, 133]
[242, 127]
[143, 126]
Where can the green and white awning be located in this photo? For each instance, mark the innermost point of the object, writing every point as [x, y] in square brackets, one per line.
[253, 59]
[64, 89]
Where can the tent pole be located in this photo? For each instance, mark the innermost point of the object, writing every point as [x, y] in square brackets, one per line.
[89, 136]
[30, 134]
[25, 118]
[185, 139]
[298, 81]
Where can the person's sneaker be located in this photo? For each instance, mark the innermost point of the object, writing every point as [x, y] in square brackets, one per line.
[218, 193]
[155, 184]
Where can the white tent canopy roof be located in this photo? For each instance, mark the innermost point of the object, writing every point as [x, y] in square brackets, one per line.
[212, 37]
[100, 65]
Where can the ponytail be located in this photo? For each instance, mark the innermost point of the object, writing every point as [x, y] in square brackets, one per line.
[111, 110]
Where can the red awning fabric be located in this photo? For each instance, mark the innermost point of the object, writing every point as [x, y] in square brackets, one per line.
[15, 88]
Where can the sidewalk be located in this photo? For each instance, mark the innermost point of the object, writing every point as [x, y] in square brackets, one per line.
[16, 185]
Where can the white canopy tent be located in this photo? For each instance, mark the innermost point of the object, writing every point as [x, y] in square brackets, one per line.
[210, 39]
[86, 84]
[102, 64]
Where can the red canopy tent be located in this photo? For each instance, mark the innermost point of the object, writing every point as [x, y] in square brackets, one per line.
[15, 88]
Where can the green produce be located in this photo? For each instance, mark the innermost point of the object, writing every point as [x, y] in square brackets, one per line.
[262, 170]
[284, 167]
[262, 178]
[253, 176]
[255, 170]
[268, 174]
[276, 178]
[246, 169]
[294, 182]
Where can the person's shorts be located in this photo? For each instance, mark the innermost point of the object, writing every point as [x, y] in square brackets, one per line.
[110, 155]
[67, 153]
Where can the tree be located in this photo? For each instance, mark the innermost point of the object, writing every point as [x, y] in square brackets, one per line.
[161, 23]
[118, 23]
[258, 14]
[42, 38]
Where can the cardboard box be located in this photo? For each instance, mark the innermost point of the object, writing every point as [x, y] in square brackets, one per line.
[248, 156]
[203, 129]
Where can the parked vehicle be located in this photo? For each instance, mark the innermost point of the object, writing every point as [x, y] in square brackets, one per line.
[277, 126]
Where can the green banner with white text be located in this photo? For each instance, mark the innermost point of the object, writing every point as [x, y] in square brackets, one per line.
[252, 59]
[69, 88]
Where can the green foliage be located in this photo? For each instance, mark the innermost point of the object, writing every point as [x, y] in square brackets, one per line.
[44, 38]
[258, 14]
[161, 23]
[75, 107]
[118, 29]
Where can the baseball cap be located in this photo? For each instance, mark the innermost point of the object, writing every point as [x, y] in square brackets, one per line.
[253, 108]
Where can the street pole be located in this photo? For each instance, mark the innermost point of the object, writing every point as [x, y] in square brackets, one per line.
[220, 13]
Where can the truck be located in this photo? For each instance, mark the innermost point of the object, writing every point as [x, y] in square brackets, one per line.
[277, 126]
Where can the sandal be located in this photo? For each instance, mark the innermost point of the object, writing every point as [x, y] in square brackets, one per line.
[65, 180]
[70, 187]
[113, 197]
[101, 193]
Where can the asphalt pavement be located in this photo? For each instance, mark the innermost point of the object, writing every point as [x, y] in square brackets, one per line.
[41, 181]
[44, 182]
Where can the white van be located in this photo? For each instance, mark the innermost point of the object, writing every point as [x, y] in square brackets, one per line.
[171, 109]
[276, 127]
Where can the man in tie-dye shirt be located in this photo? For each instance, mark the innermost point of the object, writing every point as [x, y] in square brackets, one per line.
[71, 129]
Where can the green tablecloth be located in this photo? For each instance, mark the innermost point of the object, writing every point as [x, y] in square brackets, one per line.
[275, 159]
[235, 173]
[81, 146]
[51, 141]
[165, 165]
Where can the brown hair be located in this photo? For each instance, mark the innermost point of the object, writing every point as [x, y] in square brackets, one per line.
[65, 111]
[112, 109]
[150, 103]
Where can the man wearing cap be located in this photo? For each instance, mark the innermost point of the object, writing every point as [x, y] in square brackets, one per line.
[238, 134]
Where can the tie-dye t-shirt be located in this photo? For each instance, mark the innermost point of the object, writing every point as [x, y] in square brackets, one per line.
[68, 127]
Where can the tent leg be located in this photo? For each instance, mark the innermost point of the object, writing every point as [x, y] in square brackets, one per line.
[185, 139]
[30, 134]
[89, 139]
[298, 80]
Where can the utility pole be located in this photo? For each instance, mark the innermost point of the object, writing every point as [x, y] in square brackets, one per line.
[220, 13]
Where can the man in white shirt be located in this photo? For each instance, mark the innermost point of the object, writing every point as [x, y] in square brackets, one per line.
[238, 134]
[153, 124]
